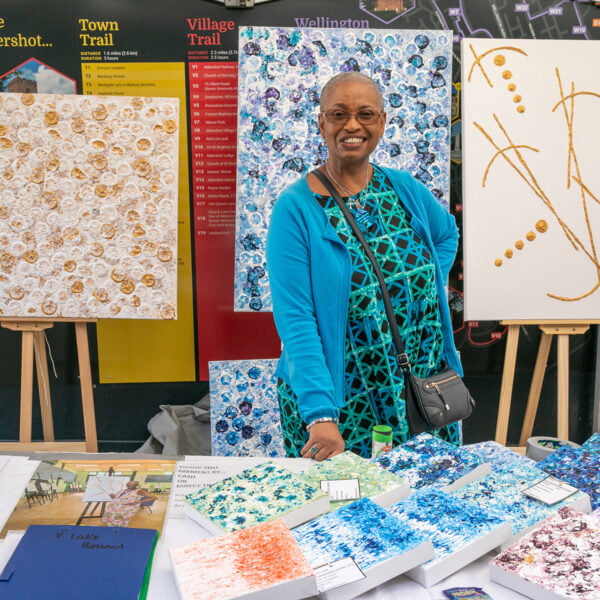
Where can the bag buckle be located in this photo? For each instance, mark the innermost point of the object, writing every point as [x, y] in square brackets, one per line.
[403, 361]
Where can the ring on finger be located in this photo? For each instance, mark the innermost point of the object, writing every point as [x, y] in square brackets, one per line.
[314, 450]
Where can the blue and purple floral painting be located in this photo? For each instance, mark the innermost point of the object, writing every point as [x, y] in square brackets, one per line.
[281, 72]
[244, 411]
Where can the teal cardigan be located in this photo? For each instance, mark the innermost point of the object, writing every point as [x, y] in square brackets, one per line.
[309, 274]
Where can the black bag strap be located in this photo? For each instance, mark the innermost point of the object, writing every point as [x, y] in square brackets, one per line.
[401, 356]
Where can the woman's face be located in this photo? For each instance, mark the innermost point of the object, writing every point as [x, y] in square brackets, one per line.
[351, 142]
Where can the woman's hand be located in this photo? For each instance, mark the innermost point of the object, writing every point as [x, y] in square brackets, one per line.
[324, 441]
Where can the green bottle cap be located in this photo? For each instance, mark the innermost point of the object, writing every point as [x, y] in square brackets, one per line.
[382, 433]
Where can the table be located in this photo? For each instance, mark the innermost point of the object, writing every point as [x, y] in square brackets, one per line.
[179, 530]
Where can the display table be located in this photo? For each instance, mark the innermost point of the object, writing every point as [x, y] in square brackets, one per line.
[183, 530]
[179, 530]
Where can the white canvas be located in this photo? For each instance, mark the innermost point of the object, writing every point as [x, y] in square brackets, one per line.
[100, 487]
[88, 206]
[531, 182]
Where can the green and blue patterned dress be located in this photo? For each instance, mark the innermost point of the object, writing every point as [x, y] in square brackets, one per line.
[373, 381]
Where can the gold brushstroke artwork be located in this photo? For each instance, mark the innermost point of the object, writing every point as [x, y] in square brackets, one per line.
[88, 189]
[515, 153]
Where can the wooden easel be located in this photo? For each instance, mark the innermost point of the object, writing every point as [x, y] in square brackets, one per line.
[562, 330]
[33, 357]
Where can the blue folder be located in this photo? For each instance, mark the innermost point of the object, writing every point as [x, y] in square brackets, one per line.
[77, 563]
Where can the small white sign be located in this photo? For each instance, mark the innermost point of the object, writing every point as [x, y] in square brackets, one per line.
[550, 490]
[337, 573]
[341, 489]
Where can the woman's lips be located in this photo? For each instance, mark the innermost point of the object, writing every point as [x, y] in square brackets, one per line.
[352, 140]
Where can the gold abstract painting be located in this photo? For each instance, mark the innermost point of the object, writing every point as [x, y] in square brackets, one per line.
[531, 182]
[88, 206]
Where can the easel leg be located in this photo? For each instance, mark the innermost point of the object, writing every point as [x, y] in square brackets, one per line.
[536, 388]
[26, 386]
[87, 394]
[43, 385]
[508, 377]
[562, 410]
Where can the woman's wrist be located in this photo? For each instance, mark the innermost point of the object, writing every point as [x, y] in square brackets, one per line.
[321, 420]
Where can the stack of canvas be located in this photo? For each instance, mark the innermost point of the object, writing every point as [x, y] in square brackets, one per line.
[426, 460]
[262, 562]
[460, 531]
[381, 486]
[579, 467]
[500, 494]
[256, 495]
[558, 559]
[380, 544]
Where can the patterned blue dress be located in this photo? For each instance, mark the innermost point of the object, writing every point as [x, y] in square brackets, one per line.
[373, 381]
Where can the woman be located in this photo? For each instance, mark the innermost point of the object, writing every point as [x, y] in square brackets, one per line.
[124, 505]
[337, 376]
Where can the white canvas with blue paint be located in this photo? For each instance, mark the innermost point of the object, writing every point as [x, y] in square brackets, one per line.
[579, 467]
[244, 411]
[426, 460]
[281, 72]
[500, 457]
[592, 444]
[500, 494]
[381, 544]
[460, 531]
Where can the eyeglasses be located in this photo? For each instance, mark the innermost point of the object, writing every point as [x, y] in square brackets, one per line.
[337, 116]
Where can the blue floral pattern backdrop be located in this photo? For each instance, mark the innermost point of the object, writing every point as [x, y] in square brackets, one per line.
[244, 412]
[281, 71]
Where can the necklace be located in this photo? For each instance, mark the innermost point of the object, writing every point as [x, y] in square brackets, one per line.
[344, 189]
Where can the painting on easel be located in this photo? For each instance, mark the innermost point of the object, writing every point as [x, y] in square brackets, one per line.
[88, 206]
[531, 182]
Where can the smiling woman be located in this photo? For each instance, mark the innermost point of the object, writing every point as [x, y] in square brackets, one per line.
[336, 376]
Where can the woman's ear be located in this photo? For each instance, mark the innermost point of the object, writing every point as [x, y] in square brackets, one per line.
[382, 121]
[321, 120]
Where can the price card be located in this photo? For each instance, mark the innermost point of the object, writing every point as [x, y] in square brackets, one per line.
[341, 489]
[550, 490]
[337, 573]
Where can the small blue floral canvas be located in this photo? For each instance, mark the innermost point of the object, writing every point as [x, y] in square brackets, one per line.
[578, 467]
[426, 460]
[244, 411]
[257, 495]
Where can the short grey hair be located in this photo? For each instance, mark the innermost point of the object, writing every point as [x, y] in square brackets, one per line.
[350, 77]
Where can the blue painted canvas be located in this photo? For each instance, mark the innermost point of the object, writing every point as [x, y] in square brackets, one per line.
[448, 521]
[500, 494]
[578, 467]
[256, 495]
[592, 444]
[281, 72]
[362, 530]
[500, 457]
[244, 411]
[426, 460]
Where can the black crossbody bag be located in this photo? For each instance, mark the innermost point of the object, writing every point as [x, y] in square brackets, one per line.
[431, 402]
